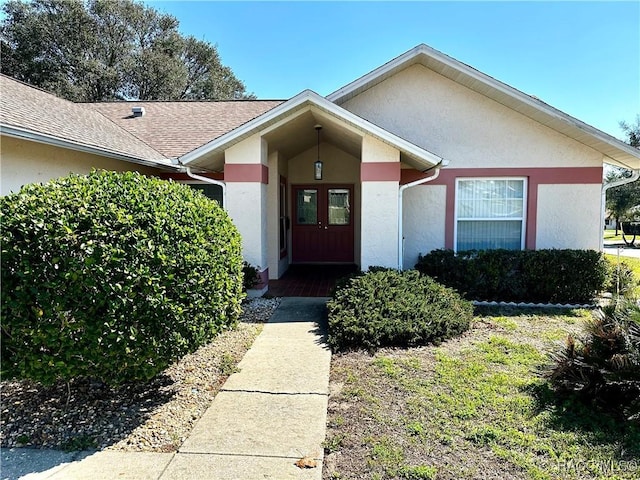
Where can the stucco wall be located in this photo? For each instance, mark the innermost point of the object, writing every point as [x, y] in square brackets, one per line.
[23, 162]
[277, 168]
[424, 221]
[568, 216]
[379, 225]
[247, 202]
[464, 127]
[473, 132]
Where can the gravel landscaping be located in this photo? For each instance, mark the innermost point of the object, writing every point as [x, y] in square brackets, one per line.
[155, 416]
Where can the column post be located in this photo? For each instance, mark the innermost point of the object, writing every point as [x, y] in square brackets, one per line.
[380, 177]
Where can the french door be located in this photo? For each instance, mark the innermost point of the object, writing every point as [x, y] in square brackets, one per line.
[322, 227]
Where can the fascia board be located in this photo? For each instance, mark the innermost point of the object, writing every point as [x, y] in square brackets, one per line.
[20, 133]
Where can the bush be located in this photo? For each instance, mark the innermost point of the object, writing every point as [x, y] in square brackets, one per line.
[621, 281]
[113, 277]
[391, 308]
[250, 275]
[604, 367]
[545, 276]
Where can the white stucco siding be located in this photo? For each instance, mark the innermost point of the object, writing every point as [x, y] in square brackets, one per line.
[23, 162]
[379, 224]
[249, 150]
[568, 216]
[463, 126]
[248, 211]
[277, 168]
[375, 151]
[424, 221]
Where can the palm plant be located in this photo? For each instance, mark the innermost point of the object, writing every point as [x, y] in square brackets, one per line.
[604, 366]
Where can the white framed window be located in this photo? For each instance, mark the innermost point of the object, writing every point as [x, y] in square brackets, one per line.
[490, 213]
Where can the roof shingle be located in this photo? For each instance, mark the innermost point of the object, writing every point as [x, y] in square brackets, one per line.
[176, 128]
[33, 110]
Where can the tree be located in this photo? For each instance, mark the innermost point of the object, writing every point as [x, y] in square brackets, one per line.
[623, 200]
[110, 49]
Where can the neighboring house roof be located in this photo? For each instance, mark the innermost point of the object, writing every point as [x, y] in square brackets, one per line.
[618, 152]
[176, 128]
[31, 113]
[212, 153]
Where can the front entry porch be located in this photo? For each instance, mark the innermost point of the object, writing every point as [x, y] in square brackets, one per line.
[309, 280]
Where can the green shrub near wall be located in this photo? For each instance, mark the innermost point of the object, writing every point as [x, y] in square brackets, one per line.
[391, 308]
[113, 276]
[555, 276]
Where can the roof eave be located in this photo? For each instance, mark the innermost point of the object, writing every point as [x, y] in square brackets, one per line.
[16, 132]
[306, 98]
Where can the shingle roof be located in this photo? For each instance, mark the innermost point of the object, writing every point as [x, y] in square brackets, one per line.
[44, 116]
[176, 128]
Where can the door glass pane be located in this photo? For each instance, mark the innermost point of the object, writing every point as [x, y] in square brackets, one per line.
[307, 206]
[339, 207]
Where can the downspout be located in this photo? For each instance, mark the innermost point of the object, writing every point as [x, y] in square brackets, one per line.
[211, 181]
[635, 174]
[401, 190]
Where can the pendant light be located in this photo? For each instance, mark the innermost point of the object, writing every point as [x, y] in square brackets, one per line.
[317, 166]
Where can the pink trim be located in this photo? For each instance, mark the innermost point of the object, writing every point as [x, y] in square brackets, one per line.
[184, 176]
[264, 280]
[380, 172]
[535, 177]
[561, 175]
[246, 172]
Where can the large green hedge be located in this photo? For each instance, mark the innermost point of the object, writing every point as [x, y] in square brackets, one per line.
[391, 308]
[113, 276]
[557, 276]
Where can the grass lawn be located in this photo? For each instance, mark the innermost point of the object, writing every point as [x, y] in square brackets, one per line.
[476, 407]
[632, 262]
[611, 235]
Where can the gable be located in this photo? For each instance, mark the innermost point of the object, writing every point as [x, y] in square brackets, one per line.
[613, 150]
[465, 127]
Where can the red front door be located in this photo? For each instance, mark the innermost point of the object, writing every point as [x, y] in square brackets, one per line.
[322, 223]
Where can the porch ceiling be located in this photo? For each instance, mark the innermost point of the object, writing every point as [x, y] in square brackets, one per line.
[299, 135]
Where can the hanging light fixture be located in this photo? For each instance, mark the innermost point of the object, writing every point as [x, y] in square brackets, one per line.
[317, 166]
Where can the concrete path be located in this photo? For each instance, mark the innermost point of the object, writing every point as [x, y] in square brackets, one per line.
[622, 250]
[267, 416]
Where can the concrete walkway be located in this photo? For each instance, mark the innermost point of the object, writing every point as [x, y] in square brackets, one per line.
[267, 416]
[621, 249]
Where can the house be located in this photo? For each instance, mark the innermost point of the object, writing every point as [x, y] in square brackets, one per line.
[422, 153]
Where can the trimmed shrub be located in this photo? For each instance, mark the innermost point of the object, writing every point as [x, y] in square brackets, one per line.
[604, 366]
[113, 276]
[391, 308]
[545, 276]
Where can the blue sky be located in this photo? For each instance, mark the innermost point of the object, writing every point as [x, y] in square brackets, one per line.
[580, 57]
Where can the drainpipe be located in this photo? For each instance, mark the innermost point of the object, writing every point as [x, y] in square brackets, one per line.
[635, 174]
[401, 190]
[200, 178]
